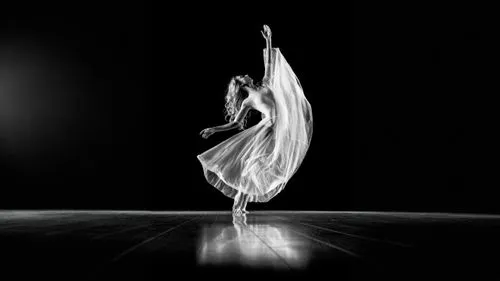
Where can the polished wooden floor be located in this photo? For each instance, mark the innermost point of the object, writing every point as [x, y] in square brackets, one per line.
[121, 245]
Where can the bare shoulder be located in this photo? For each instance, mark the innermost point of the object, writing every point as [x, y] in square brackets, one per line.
[264, 90]
[248, 101]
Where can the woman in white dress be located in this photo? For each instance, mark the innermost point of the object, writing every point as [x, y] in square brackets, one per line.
[255, 164]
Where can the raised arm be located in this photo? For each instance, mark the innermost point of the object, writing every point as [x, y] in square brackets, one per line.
[237, 123]
[267, 35]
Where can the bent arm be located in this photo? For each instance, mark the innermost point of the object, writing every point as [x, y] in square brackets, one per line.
[238, 121]
[226, 127]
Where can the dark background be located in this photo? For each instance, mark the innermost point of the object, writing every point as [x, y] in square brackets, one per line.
[111, 119]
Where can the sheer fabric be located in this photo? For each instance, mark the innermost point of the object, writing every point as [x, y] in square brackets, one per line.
[260, 160]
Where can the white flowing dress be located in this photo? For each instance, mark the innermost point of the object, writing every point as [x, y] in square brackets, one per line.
[260, 160]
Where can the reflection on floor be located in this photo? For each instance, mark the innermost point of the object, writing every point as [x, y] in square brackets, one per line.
[255, 245]
[122, 245]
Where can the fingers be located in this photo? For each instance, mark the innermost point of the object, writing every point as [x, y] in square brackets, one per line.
[267, 31]
[203, 133]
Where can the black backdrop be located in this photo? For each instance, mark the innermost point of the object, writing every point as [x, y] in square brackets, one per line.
[402, 135]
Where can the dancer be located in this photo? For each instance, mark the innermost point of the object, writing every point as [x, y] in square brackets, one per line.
[255, 164]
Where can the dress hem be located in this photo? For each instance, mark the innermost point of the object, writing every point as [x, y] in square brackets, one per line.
[214, 179]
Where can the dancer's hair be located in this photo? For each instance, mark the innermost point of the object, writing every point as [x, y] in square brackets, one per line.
[234, 98]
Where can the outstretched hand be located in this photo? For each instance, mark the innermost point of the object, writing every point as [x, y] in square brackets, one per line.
[266, 33]
[207, 132]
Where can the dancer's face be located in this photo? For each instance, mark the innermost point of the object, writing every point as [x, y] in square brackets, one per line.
[245, 79]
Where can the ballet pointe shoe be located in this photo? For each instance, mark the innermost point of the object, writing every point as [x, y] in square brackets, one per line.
[244, 205]
[237, 208]
[239, 201]
[244, 209]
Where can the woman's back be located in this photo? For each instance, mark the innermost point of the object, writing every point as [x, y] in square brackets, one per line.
[263, 102]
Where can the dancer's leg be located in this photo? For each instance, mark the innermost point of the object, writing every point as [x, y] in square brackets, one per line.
[244, 203]
[237, 203]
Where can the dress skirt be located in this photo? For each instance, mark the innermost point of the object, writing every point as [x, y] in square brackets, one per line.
[244, 163]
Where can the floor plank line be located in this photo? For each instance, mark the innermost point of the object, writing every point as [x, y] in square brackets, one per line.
[269, 246]
[131, 249]
[333, 246]
[355, 235]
